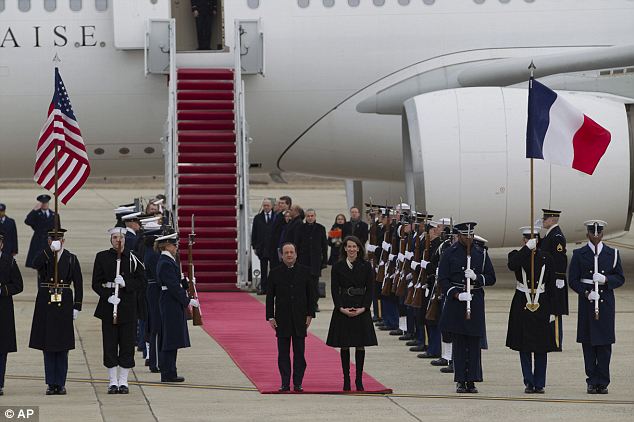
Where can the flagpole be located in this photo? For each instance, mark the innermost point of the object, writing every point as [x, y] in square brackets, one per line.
[57, 298]
[530, 85]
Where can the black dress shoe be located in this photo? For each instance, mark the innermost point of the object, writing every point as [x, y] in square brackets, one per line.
[529, 389]
[298, 389]
[113, 389]
[406, 336]
[261, 292]
[1, 392]
[461, 387]
[426, 355]
[396, 332]
[419, 348]
[147, 362]
[592, 389]
[376, 319]
[439, 362]
[50, 390]
[385, 328]
[284, 388]
[123, 389]
[539, 390]
[602, 389]
[359, 385]
[412, 343]
[173, 379]
[471, 388]
[154, 369]
[447, 369]
[61, 390]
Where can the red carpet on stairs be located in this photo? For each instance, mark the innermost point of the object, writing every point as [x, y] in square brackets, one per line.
[237, 322]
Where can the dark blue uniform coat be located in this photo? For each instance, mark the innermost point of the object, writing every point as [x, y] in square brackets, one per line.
[172, 304]
[41, 225]
[452, 280]
[10, 285]
[153, 292]
[589, 330]
[10, 243]
[554, 243]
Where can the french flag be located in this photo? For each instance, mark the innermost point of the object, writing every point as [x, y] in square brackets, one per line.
[560, 133]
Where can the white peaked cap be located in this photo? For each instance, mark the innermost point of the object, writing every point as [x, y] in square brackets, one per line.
[479, 238]
[131, 216]
[445, 221]
[117, 230]
[169, 237]
[152, 225]
[145, 221]
[121, 210]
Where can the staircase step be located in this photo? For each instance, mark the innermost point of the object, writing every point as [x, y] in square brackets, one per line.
[204, 105]
[206, 158]
[184, 222]
[202, 265]
[207, 211]
[197, 179]
[204, 74]
[207, 190]
[206, 136]
[206, 169]
[206, 200]
[205, 115]
[202, 85]
[202, 147]
[207, 125]
[216, 277]
[211, 243]
[204, 95]
[212, 232]
[210, 255]
[217, 287]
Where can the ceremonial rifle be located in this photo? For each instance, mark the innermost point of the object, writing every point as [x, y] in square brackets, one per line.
[401, 288]
[468, 311]
[197, 317]
[391, 265]
[115, 312]
[596, 270]
[419, 293]
[398, 266]
[410, 286]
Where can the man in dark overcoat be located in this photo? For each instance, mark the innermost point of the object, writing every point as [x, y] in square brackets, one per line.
[595, 271]
[279, 224]
[10, 285]
[56, 306]
[204, 11]
[261, 232]
[42, 220]
[356, 226]
[117, 290]
[290, 308]
[7, 226]
[466, 331]
[312, 246]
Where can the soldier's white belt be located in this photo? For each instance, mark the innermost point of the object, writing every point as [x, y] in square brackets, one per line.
[589, 281]
[386, 246]
[400, 257]
[163, 287]
[409, 255]
[522, 288]
[109, 285]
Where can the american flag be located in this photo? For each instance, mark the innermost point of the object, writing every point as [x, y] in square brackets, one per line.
[61, 129]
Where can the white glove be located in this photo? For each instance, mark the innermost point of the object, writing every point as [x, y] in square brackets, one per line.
[560, 283]
[194, 303]
[552, 318]
[371, 248]
[193, 280]
[531, 244]
[465, 297]
[56, 245]
[424, 263]
[469, 273]
[413, 265]
[593, 295]
[409, 277]
[119, 280]
[426, 291]
[114, 300]
[598, 277]
[75, 314]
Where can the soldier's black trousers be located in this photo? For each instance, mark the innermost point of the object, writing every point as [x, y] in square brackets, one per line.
[467, 362]
[56, 367]
[118, 344]
[203, 31]
[153, 352]
[3, 368]
[284, 359]
[168, 364]
[597, 362]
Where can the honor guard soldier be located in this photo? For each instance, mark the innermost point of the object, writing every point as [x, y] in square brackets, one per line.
[10, 285]
[554, 243]
[56, 306]
[132, 222]
[153, 293]
[41, 219]
[463, 272]
[7, 226]
[531, 310]
[595, 271]
[117, 275]
[173, 303]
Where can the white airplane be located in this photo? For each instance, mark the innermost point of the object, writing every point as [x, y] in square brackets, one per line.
[424, 99]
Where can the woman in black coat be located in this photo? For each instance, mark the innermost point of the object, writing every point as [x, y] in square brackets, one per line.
[352, 281]
[335, 242]
[10, 285]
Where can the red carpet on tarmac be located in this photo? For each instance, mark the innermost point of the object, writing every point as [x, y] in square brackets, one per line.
[237, 322]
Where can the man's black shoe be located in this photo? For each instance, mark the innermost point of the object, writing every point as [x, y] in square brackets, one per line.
[396, 332]
[298, 389]
[123, 389]
[419, 348]
[173, 379]
[447, 369]
[592, 389]
[406, 336]
[426, 355]
[113, 389]
[1, 392]
[385, 328]
[439, 362]
[412, 343]
[50, 390]
[284, 388]
[154, 370]
[602, 389]
[461, 387]
[261, 292]
[61, 390]
[147, 362]
[539, 390]
[529, 389]
[376, 319]
[471, 388]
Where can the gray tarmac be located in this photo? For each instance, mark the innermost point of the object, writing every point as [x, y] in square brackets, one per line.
[216, 390]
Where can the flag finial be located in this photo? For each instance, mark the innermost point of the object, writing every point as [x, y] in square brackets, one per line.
[56, 59]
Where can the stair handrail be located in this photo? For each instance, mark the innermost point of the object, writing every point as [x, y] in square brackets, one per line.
[171, 171]
[242, 168]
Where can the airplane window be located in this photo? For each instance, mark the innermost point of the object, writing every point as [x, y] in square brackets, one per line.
[50, 5]
[478, 1]
[24, 5]
[378, 2]
[504, 1]
[353, 3]
[75, 5]
[403, 2]
[429, 2]
[303, 3]
[253, 4]
[329, 3]
[529, 1]
[101, 5]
